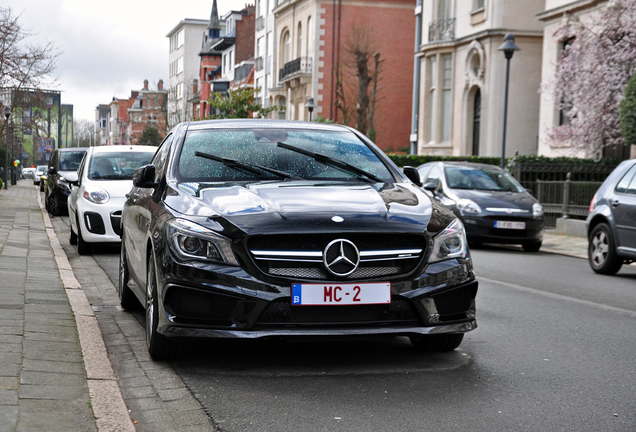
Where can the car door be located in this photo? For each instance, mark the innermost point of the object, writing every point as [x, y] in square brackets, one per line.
[137, 216]
[623, 204]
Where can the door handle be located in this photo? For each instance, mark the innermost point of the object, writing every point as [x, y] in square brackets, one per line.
[615, 203]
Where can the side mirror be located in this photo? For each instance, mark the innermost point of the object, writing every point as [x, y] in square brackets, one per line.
[74, 182]
[51, 171]
[144, 177]
[413, 174]
[431, 187]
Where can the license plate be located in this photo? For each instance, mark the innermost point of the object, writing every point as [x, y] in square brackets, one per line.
[341, 294]
[510, 225]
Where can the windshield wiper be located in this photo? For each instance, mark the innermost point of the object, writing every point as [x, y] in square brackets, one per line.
[335, 163]
[251, 168]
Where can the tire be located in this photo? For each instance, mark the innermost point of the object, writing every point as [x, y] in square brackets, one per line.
[532, 246]
[127, 298]
[54, 205]
[159, 346]
[72, 239]
[83, 248]
[437, 343]
[601, 251]
[41, 187]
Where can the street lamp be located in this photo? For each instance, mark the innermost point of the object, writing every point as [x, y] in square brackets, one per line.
[310, 105]
[508, 47]
[7, 114]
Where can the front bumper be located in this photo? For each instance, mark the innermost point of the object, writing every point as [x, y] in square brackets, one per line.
[198, 303]
[483, 229]
[100, 222]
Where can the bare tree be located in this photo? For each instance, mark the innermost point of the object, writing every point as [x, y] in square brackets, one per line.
[23, 64]
[82, 133]
[364, 63]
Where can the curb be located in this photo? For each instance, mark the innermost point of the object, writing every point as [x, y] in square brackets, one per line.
[109, 408]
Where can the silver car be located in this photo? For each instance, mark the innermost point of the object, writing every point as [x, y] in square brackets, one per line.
[611, 224]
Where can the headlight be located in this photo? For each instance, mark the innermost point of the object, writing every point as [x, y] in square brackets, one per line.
[468, 207]
[450, 243]
[191, 241]
[96, 195]
[537, 210]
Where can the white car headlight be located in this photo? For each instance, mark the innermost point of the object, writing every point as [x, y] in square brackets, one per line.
[96, 195]
[537, 210]
[190, 241]
[450, 243]
[468, 207]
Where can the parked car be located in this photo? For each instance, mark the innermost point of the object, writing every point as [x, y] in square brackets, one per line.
[97, 197]
[39, 170]
[27, 172]
[43, 178]
[611, 224]
[260, 228]
[493, 206]
[62, 171]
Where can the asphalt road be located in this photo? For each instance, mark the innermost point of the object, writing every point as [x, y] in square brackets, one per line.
[554, 351]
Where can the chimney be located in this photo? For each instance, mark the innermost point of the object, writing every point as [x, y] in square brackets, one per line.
[160, 85]
[145, 84]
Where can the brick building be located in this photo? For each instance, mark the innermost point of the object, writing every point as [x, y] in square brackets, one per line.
[226, 58]
[129, 117]
[312, 37]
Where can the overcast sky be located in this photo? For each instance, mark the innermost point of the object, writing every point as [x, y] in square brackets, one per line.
[109, 48]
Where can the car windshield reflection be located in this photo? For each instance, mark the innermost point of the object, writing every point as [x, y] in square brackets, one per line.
[459, 177]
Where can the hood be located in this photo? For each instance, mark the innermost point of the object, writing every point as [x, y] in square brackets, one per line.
[497, 199]
[306, 206]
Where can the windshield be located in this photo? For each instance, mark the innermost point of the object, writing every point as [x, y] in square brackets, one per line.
[460, 177]
[259, 154]
[117, 166]
[70, 161]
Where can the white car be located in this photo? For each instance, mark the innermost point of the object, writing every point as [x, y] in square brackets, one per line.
[97, 197]
[38, 173]
[27, 172]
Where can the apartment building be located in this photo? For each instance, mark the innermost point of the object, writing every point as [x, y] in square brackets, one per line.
[460, 77]
[186, 40]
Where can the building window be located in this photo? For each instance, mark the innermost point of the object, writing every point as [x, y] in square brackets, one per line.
[432, 73]
[478, 4]
[282, 104]
[286, 48]
[446, 96]
[310, 39]
[299, 41]
[179, 65]
[180, 38]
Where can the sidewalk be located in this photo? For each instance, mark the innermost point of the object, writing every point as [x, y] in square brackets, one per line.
[54, 371]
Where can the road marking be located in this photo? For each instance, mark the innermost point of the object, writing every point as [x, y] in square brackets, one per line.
[561, 297]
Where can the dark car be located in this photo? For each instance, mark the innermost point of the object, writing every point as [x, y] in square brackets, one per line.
[493, 206]
[61, 173]
[611, 224]
[260, 228]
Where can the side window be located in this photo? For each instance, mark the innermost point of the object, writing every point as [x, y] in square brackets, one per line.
[53, 159]
[435, 176]
[160, 158]
[628, 182]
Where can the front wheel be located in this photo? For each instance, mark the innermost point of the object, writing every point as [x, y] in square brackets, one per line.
[127, 298]
[159, 346]
[83, 248]
[54, 205]
[601, 251]
[437, 343]
[533, 246]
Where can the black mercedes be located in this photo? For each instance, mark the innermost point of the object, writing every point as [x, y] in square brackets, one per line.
[261, 229]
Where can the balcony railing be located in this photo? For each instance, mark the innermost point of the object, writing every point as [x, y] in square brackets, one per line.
[259, 24]
[258, 64]
[300, 65]
[441, 30]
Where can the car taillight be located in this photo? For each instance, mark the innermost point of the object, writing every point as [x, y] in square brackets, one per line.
[592, 203]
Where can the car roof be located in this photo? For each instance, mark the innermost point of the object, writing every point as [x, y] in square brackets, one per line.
[474, 165]
[264, 124]
[123, 148]
[70, 149]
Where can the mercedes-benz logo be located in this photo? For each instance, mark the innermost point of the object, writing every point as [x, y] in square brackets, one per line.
[341, 257]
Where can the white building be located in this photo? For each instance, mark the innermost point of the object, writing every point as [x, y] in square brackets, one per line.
[265, 52]
[461, 79]
[186, 40]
